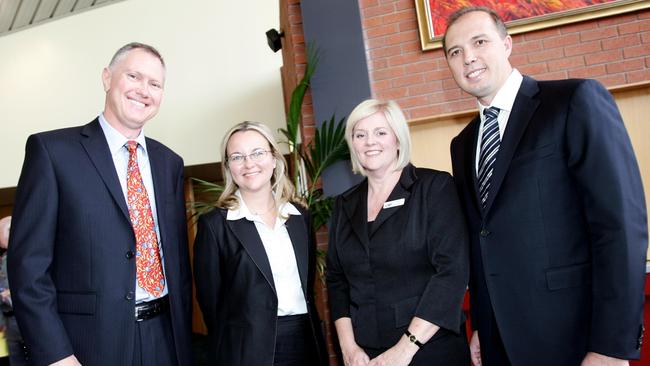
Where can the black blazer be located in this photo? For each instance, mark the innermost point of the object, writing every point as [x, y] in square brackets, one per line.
[558, 256]
[71, 268]
[416, 263]
[236, 291]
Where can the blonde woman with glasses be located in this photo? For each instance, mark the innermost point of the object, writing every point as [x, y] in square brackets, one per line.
[254, 260]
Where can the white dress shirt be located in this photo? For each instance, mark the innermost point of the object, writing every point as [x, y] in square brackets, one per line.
[281, 255]
[120, 154]
[504, 100]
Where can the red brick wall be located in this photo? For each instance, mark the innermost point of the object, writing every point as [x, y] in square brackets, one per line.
[614, 50]
[295, 57]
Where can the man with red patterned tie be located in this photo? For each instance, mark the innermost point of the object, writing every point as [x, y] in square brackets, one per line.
[98, 261]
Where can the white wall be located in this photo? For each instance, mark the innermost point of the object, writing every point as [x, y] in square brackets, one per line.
[220, 71]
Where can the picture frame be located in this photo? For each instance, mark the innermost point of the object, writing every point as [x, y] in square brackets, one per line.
[431, 29]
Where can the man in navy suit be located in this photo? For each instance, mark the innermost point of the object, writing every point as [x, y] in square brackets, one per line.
[78, 297]
[556, 213]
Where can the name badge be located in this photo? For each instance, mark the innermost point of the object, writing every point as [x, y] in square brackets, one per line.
[394, 203]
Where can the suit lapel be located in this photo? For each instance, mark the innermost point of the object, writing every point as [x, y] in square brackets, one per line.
[158, 172]
[522, 111]
[470, 157]
[356, 208]
[300, 241]
[249, 238]
[94, 142]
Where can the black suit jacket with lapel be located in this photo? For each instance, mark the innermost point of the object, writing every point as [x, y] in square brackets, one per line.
[414, 262]
[558, 255]
[236, 291]
[71, 267]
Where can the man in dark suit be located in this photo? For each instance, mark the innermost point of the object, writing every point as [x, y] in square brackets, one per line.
[553, 198]
[94, 203]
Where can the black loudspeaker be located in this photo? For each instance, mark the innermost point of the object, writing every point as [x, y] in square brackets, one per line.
[274, 38]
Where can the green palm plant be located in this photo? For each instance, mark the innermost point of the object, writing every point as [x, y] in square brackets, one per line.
[210, 193]
[327, 147]
[294, 117]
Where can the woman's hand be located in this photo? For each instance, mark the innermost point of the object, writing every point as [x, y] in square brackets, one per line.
[400, 354]
[353, 355]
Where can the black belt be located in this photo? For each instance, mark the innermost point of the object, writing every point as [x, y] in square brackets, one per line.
[290, 320]
[8, 313]
[151, 309]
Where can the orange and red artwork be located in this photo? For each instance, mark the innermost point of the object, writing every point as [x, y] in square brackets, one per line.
[508, 9]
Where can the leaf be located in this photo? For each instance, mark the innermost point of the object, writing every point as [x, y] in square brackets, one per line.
[209, 193]
[294, 116]
[327, 147]
[321, 210]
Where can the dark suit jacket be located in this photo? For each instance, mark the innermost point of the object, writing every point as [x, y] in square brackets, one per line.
[236, 291]
[71, 265]
[414, 264]
[558, 255]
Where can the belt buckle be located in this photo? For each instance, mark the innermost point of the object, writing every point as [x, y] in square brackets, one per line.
[150, 309]
[141, 311]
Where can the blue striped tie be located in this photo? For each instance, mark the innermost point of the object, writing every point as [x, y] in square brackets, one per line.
[489, 148]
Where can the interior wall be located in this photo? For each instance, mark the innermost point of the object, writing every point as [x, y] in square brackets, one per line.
[220, 71]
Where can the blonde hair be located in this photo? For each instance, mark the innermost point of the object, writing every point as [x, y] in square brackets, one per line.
[282, 188]
[395, 119]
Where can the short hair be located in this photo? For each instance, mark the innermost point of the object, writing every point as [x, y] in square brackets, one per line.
[395, 119]
[283, 189]
[124, 50]
[453, 18]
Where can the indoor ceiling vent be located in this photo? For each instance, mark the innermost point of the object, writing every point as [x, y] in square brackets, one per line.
[17, 15]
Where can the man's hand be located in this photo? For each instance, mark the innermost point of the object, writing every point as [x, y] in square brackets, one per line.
[596, 359]
[68, 361]
[475, 349]
[5, 295]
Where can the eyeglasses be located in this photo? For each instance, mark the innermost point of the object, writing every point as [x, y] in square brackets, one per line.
[256, 155]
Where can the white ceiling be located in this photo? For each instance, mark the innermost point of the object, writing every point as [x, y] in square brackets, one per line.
[17, 15]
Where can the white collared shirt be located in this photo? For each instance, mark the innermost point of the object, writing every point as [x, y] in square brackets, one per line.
[120, 154]
[504, 100]
[281, 255]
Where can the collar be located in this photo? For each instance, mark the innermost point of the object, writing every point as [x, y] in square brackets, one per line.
[505, 97]
[116, 140]
[406, 180]
[243, 211]
[408, 176]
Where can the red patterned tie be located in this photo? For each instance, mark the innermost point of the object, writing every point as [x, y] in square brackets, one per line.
[148, 263]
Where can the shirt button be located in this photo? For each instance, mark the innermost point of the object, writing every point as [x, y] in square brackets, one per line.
[129, 254]
[485, 232]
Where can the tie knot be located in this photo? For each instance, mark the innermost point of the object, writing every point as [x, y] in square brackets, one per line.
[132, 146]
[491, 113]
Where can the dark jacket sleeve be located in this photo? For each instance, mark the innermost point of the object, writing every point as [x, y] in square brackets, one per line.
[457, 166]
[448, 249]
[337, 283]
[207, 263]
[602, 162]
[31, 252]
